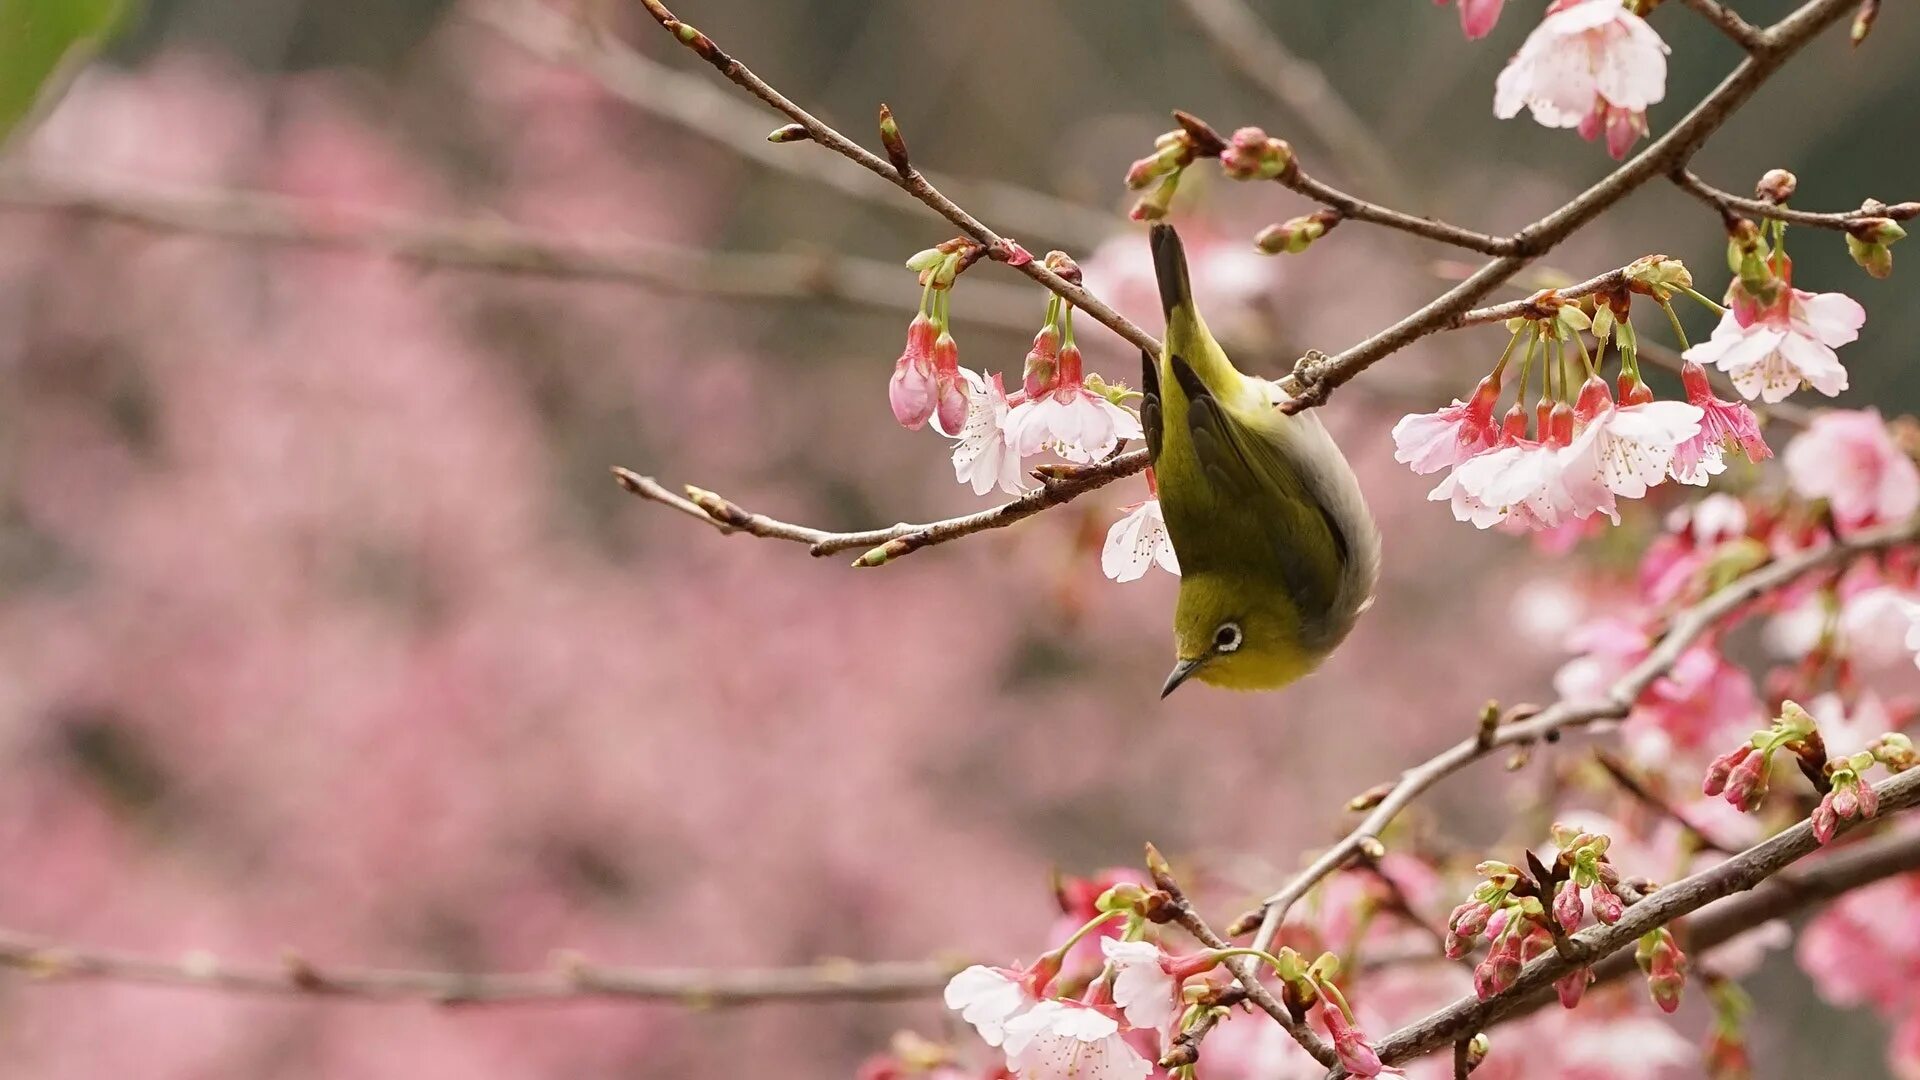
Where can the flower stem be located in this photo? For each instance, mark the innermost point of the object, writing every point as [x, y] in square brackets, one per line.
[1074, 938]
[1673, 320]
[1706, 303]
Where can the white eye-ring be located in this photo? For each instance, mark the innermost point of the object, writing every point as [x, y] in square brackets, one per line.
[1227, 638]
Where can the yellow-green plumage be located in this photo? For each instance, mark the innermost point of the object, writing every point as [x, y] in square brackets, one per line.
[1278, 553]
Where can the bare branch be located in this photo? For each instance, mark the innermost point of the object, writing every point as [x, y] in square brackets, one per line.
[1686, 628]
[912, 181]
[1729, 203]
[1359, 209]
[1658, 908]
[1314, 379]
[501, 248]
[570, 979]
[695, 104]
[1728, 21]
[898, 540]
[1260, 55]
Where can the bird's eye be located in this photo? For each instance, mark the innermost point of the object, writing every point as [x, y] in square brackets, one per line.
[1227, 638]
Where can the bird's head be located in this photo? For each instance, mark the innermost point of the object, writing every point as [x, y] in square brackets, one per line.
[1236, 636]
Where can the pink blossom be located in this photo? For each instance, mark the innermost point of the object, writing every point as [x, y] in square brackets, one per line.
[1590, 64]
[1478, 16]
[1145, 988]
[1723, 426]
[1070, 1040]
[1848, 458]
[1626, 448]
[989, 998]
[1138, 541]
[1772, 351]
[1875, 624]
[982, 456]
[1865, 948]
[1070, 420]
[1429, 442]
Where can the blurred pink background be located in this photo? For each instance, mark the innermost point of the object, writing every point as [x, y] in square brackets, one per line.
[326, 630]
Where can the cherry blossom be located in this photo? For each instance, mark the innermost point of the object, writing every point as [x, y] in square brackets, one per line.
[1849, 459]
[1071, 1040]
[1724, 425]
[926, 383]
[1138, 541]
[1429, 442]
[1772, 350]
[989, 998]
[1144, 988]
[1078, 423]
[982, 456]
[1590, 64]
[1627, 448]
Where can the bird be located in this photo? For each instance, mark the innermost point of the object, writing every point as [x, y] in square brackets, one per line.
[1278, 552]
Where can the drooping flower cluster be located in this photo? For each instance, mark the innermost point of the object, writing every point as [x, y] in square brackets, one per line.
[1590, 64]
[1773, 338]
[1580, 451]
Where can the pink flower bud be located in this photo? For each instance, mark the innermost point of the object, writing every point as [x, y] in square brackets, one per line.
[1607, 905]
[1845, 803]
[1573, 986]
[1252, 155]
[1350, 1043]
[1747, 784]
[1042, 371]
[1869, 799]
[1825, 820]
[1568, 908]
[1721, 768]
[911, 391]
[1594, 398]
[1470, 919]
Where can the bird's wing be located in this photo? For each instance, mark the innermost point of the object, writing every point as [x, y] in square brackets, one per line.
[1150, 404]
[1256, 487]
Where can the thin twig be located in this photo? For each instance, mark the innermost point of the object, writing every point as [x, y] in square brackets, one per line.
[1359, 209]
[911, 180]
[697, 105]
[570, 979]
[1657, 909]
[1315, 378]
[1687, 627]
[895, 541]
[497, 247]
[1728, 203]
[1728, 21]
[1300, 87]
[1530, 307]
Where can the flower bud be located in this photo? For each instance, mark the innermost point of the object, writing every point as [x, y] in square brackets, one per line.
[1253, 155]
[1893, 750]
[1658, 276]
[1747, 784]
[1607, 905]
[950, 393]
[911, 391]
[1568, 908]
[1042, 371]
[1573, 986]
[1154, 204]
[1173, 151]
[1825, 820]
[1295, 235]
[1870, 241]
[1863, 20]
[1721, 768]
[1776, 187]
[787, 133]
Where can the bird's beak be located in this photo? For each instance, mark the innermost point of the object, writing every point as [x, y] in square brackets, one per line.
[1178, 675]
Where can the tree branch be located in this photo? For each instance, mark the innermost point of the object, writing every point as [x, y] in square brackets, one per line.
[1358, 209]
[910, 180]
[698, 106]
[1686, 628]
[1657, 909]
[1728, 203]
[500, 248]
[1314, 379]
[893, 542]
[570, 979]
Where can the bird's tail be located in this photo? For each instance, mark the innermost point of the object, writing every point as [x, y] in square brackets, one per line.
[1170, 270]
[1187, 334]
